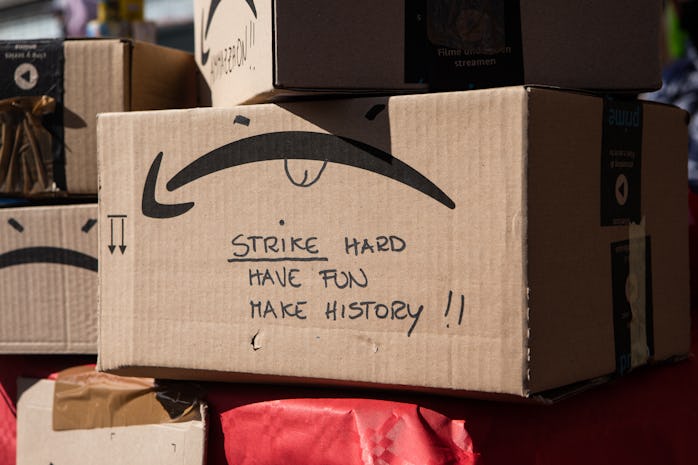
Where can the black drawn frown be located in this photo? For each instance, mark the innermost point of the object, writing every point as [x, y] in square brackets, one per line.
[287, 145]
[48, 254]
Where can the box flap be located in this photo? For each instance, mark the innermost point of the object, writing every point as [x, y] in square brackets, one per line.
[161, 78]
[96, 81]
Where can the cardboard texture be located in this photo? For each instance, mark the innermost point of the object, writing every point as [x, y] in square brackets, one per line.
[172, 443]
[259, 50]
[48, 279]
[433, 241]
[97, 76]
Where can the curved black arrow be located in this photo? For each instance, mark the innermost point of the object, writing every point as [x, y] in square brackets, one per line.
[48, 255]
[150, 206]
[299, 145]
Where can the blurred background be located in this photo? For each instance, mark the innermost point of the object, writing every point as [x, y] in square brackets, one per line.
[166, 22]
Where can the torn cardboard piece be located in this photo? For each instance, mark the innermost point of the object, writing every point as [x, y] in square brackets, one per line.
[87, 399]
[260, 50]
[84, 77]
[461, 254]
[48, 279]
[171, 443]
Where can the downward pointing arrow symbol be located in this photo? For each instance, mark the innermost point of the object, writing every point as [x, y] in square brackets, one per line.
[111, 243]
[112, 246]
[122, 247]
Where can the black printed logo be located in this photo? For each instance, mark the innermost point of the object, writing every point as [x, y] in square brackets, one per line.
[56, 255]
[287, 145]
[204, 31]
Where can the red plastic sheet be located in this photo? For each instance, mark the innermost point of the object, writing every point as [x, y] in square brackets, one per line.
[343, 432]
[7, 428]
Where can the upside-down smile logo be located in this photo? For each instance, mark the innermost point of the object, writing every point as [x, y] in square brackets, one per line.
[204, 30]
[300, 145]
[47, 254]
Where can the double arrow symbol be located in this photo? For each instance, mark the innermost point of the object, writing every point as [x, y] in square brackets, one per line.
[111, 245]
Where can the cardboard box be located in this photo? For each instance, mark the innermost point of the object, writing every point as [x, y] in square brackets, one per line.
[259, 50]
[48, 279]
[472, 241]
[37, 441]
[84, 77]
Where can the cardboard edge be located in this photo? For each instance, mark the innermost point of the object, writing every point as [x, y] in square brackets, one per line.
[267, 379]
[548, 397]
[526, 369]
[177, 84]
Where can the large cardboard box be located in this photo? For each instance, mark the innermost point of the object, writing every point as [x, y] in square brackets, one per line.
[48, 279]
[475, 241]
[265, 49]
[120, 443]
[84, 77]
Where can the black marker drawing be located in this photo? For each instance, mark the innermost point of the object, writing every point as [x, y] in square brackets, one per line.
[303, 182]
[48, 255]
[239, 119]
[204, 31]
[89, 225]
[448, 308]
[112, 245]
[298, 145]
[15, 224]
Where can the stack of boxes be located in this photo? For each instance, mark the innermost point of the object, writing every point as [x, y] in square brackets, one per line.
[49, 249]
[51, 92]
[515, 241]
[491, 234]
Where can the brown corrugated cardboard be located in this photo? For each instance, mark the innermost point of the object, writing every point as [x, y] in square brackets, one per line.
[171, 443]
[48, 279]
[98, 76]
[457, 241]
[264, 49]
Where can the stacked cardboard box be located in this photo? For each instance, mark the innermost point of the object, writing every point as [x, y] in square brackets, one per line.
[516, 241]
[48, 254]
[256, 50]
[504, 239]
[50, 94]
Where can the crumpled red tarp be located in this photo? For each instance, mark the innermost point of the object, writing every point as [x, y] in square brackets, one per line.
[343, 432]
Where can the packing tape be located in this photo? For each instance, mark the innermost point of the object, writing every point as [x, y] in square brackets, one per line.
[26, 157]
[87, 399]
[636, 293]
